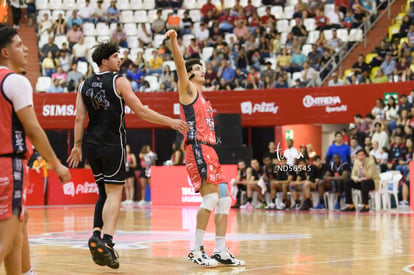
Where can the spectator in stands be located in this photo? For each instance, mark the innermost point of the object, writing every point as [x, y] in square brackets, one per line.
[359, 16]
[45, 26]
[175, 4]
[404, 104]
[241, 31]
[276, 45]
[64, 61]
[364, 177]
[65, 49]
[280, 184]
[252, 83]
[140, 62]
[99, 13]
[74, 19]
[30, 12]
[339, 148]
[281, 82]
[256, 60]
[404, 29]
[136, 75]
[322, 22]
[60, 25]
[334, 44]
[268, 16]
[49, 64]
[223, 85]
[55, 87]
[365, 6]
[355, 147]
[210, 74]
[193, 50]
[335, 81]
[404, 121]
[158, 25]
[208, 6]
[249, 9]
[226, 71]
[168, 79]
[144, 34]
[299, 31]
[16, 6]
[126, 62]
[380, 136]
[86, 12]
[74, 35]
[207, 86]
[391, 113]
[113, 13]
[75, 76]
[80, 51]
[335, 18]
[120, 36]
[283, 60]
[343, 5]
[60, 75]
[348, 21]
[226, 22]
[380, 77]
[361, 69]
[378, 110]
[154, 64]
[400, 71]
[297, 60]
[309, 75]
[397, 156]
[268, 71]
[326, 64]
[173, 21]
[388, 65]
[202, 35]
[354, 132]
[315, 57]
[50, 46]
[186, 24]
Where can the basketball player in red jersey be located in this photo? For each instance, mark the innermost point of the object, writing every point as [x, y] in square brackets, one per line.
[18, 121]
[201, 159]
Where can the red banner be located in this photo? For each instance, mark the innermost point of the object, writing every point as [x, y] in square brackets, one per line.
[258, 107]
[82, 189]
[170, 185]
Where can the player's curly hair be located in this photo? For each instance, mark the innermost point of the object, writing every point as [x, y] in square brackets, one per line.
[103, 51]
[191, 62]
[6, 35]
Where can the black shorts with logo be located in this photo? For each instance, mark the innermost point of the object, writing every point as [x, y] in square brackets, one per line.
[107, 163]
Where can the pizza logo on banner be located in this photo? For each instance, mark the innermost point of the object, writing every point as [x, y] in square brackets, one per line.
[85, 188]
[247, 107]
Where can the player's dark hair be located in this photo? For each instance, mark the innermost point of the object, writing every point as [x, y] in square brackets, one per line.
[338, 133]
[316, 157]
[6, 35]
[104, 51]
[191, 62]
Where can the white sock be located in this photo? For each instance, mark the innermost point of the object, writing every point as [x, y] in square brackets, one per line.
[199, 237]
[30, 272]
[220, 243]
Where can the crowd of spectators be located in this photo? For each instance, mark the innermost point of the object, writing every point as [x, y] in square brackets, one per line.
[244, 47]
[380, 142]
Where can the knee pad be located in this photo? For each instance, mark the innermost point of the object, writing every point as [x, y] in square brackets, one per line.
[209, 201]
[223, 206]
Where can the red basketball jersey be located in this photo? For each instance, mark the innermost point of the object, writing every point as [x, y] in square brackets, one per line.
[12, 135]
[199, 117]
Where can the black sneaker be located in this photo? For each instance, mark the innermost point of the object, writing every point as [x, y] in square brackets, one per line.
[93, 248]
[237, 205]
[348, 209]
[109, 255]
[364, 209]
[304, 208]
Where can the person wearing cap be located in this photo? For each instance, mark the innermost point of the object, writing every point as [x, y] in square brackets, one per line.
[354, 132]
[335, 81]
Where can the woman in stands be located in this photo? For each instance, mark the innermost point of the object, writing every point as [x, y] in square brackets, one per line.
[177, 157]
[60, 25]
[167, 78]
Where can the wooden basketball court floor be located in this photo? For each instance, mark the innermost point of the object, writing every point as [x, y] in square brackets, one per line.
[156, 240]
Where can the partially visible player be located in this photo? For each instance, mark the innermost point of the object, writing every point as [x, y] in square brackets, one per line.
[18, 121]
[201, 159]
[102, 97]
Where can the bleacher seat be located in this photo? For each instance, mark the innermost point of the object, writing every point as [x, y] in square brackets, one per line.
[130, 29]
[369, 57]
[283, 38]
[355, 35]
[103, 29]
[206, 52]
[141, 16]
[42, 4]
[127, 16]
[122, 52]
[328, 34]
[374, 72]
[257, 3]
[282, 26]
[132, 42]
[313, 37]
[56, 5]
[200, 3]
[123, 5]
[90, 41]
[136, 4]
[169, 63]
[133, 53]
[329, 8]
[43, 83]
[103, 38]
[70, 4]
[309, 24]
[307, 48]
[343, 34]
[60, 39]
[88, 29]
[82, 67]
[195, 15]
[189, 4]
[227, 37]
[56, 13]
[148, 4]
[277, 11]
[261, 11]
[157, 41]
[187, 39]
[148, 53]
[288, 12]
[153, 81]
[228, 4]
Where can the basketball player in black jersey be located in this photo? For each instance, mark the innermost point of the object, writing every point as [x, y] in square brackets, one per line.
[280, 184]
[336, 174]
[102, 97]
[315, 174]
[254, 172]
[240, 183]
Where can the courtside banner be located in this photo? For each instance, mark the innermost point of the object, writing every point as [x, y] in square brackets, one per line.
[257, 107]
[171, 185]
[82, 188]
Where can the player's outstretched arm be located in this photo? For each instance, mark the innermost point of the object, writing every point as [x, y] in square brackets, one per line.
[183, 81]
[124, 88]
[76, 153]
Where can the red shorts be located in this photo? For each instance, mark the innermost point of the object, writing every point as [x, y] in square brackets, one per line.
[13, 182]
[202, 162]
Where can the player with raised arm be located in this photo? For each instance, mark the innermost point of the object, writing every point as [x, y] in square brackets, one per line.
[201, 159]
[102, 97]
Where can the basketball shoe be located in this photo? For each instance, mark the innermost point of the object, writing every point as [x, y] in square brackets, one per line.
[226, 258]
[108, 254]
[93, 248]
[200, 257]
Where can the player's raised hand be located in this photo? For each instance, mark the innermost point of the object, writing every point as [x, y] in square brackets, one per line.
[171, 34]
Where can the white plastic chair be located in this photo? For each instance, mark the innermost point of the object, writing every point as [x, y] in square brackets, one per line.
[330, 200]
[392, 188]
[43, 83]
[355, 35]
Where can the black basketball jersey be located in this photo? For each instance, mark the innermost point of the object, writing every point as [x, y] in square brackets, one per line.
[337, 170]
[243, 174]
[106, 110]
[257, 173]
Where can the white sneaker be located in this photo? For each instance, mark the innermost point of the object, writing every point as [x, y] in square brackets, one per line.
[141, 203]
[226, 258]
[404, 203]
[281, 206]
[246, 205]
[200, 257]
[270, 206]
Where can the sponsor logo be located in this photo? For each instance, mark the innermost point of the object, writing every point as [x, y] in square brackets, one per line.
[247, 107]
[59, 110]
[85, 188]
[328, 101]
[188, 194]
